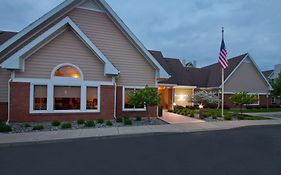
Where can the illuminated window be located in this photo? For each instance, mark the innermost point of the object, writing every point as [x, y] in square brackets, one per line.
[68, 71]
[40, 97]
[92, 98]
[67, 98]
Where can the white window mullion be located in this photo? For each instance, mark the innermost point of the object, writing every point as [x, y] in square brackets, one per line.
[83, 101]
[50, 97]
[99, 102]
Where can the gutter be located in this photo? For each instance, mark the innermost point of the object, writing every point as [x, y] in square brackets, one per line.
[9, 93]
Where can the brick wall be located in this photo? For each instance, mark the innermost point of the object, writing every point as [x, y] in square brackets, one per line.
[3, 111]
[20, 106]
[152, 111]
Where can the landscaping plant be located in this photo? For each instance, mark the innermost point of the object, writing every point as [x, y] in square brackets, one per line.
[119, 119]
[38, 127]
[89, 123]
[144, 97]
[276, 85]
[109, 123]
[80, 122]
[100, 121]
[66, 126]
[127, 121]
[138, 118]
[242, 98]
[5, 128]
[55, 123]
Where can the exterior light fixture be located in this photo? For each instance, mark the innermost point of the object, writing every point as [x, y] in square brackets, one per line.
[201, 106]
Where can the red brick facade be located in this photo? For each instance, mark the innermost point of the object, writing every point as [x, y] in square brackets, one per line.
[3, 111]
[152, 111]
[263, 101]
[19, 107]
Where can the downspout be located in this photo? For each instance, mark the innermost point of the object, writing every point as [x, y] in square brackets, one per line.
[115, 97]
[9, 93]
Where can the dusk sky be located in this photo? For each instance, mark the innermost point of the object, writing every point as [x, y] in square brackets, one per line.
[184, 29]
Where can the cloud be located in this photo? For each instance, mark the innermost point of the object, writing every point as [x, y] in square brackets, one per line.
[186, 29]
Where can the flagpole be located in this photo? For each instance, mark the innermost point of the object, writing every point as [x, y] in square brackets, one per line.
[222, 84]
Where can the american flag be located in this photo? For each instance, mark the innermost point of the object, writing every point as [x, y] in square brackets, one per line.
[223, 56]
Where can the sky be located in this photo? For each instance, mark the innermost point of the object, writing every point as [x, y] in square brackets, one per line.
[185, 29]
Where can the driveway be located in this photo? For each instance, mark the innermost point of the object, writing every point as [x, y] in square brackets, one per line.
[244, 151]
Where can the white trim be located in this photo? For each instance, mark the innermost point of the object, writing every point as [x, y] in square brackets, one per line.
[123, 99]
[231, 93]
[255, 104]
[15, 61]
[63, 65]
[35, 24]
[118, 21]
[184, 87]
[248, 56]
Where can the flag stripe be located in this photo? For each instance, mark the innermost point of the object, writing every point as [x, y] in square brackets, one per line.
[223, 56]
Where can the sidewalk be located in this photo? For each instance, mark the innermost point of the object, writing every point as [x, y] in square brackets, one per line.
[51, 136]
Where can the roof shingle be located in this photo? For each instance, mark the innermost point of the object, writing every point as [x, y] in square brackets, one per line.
[6, 35]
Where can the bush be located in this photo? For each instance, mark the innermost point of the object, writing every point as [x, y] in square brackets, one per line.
[227, 117]
[127, 121]
[138, 118]
[89, 123]
[26, 125]
[5, 128]
[100, 121]
[66, 126]
[109, 123]
[38, 127]
[214, 117]
[119, 120]
[80, 122]
[55, 123]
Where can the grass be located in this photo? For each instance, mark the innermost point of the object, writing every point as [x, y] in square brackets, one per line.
[38, 127]
[5, 128]
[255, 110]
[248, 117]
[66, 126]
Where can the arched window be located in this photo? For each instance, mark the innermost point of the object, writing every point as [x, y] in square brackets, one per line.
[67, 71]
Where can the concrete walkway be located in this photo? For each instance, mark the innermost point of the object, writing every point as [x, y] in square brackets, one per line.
[173, 118]
[50, 136]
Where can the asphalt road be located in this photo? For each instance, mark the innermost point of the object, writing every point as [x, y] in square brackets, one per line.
[249, 151]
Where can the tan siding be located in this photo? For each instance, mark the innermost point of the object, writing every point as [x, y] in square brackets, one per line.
[66, 48]
[246, 78]
[4, 78]
[134, 68]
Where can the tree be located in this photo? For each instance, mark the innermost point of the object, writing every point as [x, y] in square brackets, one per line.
[203, 97]
[242, 98]
[276, 85]
[144, 97]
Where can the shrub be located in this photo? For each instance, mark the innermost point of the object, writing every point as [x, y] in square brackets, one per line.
[55, 123]
[127, 121]
[215, 117]
[5, 128]
[227, 117]
[26, 125]
[89, 123]
[66, 126]
[109, 123]
[119, 120]
[100, 121]
[38, 127]
[138, 118]
[80, 122]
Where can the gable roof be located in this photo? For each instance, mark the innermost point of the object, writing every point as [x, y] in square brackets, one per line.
[15, 61]
[268, 73]
[205, 77]
[161, 73]
[6, 35]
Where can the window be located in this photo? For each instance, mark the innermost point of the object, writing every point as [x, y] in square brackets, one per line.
[126, 105]
[92, 98]
[67, 98]
[273, 100]
[68, 71]
[40, 97]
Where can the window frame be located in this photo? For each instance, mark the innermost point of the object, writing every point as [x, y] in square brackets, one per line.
[123, 98]
[258, 101]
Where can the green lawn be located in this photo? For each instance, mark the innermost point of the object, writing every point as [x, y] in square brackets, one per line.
[254, 110]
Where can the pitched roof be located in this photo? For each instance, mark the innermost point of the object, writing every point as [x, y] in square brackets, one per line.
[5, 35]
[267, 73]
[208, 76]
[175, 68]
